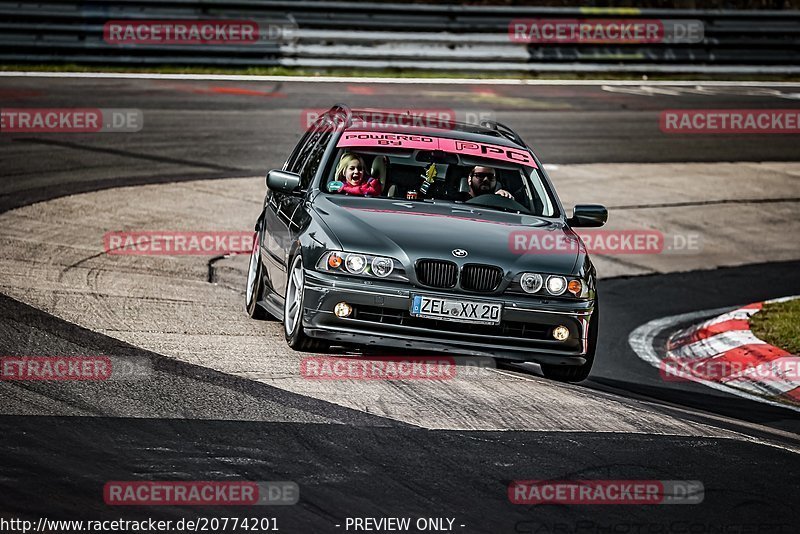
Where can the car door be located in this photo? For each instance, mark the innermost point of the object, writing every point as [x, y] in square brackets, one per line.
[284, 212]
[275, 222]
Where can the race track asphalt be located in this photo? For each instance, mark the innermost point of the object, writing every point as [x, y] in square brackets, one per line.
[62, 442]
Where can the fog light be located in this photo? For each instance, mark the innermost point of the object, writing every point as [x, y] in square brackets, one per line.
[560, 333]
[343, 309]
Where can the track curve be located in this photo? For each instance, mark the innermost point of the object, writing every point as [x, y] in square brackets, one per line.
[222, 397]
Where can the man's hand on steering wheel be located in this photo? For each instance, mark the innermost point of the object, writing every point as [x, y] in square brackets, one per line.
[504, 193]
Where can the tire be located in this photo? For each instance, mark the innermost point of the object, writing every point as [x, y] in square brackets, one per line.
[577, 373]
[255, 283]
[296, 338]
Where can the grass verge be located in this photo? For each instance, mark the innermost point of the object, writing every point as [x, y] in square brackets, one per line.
[779, 324]
[391, 73]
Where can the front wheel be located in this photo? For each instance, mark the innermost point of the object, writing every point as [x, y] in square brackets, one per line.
[255, 283]
[576, 373]
[293, 310]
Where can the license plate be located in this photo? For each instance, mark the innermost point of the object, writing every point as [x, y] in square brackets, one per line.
[463, 311]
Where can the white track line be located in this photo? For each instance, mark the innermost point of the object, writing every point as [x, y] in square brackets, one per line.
[363, 79]
[641, 341]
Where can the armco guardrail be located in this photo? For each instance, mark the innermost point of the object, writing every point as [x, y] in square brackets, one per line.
[421, 36]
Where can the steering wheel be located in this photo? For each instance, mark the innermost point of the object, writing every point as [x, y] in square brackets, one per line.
[497, 201]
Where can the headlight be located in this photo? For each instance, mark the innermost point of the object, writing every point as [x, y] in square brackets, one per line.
[556, 285]
[355, 263]
[547, 285]
[382, 267]
[365, 265]
[531, 282]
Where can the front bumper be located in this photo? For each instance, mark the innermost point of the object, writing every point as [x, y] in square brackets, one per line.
[382, 318]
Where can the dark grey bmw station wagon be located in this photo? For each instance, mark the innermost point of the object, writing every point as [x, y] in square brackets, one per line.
[448, 239]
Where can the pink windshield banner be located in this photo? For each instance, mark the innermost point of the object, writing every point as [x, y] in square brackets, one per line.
[384, 139]
[485, 150]
[424, 142]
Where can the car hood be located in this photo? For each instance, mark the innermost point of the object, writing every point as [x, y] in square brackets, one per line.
[409, 231]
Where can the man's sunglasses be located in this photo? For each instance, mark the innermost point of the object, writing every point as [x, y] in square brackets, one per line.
[483, 175]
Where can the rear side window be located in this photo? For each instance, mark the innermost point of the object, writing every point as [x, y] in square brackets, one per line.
[314, 157]
[307, 155]
[292, 164]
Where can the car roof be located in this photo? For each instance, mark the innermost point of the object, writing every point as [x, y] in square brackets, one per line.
[452, 130]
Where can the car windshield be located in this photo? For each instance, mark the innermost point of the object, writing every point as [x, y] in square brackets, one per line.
[424, 175]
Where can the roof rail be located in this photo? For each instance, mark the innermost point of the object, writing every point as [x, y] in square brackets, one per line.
[342, 109]
[506, 131]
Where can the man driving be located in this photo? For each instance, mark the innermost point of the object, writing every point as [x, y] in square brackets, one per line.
[482, 181]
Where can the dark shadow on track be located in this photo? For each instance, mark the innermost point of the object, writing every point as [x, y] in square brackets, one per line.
[356, 471]
[166, 388]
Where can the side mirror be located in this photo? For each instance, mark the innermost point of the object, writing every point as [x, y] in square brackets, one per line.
[588, 216]
[283, 181]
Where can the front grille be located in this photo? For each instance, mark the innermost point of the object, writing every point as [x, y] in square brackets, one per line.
[437, 273]
[508, 329]
[476, 277]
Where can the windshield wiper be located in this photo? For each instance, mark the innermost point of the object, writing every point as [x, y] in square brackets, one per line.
[498, 208]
